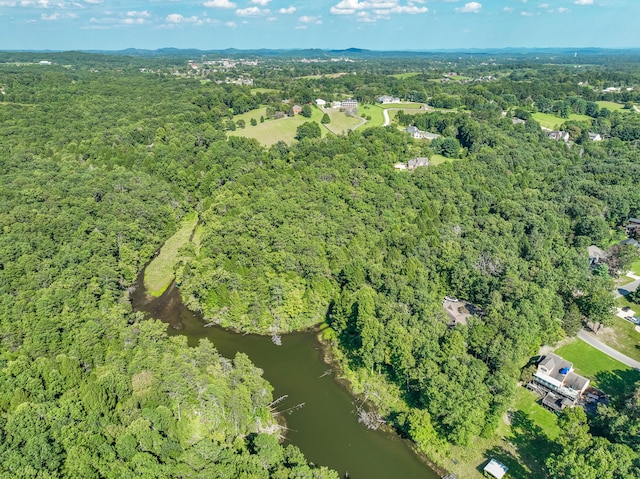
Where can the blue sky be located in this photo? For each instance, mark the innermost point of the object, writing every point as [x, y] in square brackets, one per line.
[372, 24]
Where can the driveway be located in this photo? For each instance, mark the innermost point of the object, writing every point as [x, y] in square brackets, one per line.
[626, 289]
[612, 353]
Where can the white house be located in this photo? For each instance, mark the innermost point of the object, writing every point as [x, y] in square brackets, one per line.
[595, 136]
[350, 103]
[320, 102]
[337, 104]
[556, 374]
[385, 99]
[558, 135]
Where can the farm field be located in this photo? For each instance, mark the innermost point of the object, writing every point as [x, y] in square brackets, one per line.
[553, 122]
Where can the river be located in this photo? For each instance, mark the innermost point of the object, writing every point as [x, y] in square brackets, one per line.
[320, 413]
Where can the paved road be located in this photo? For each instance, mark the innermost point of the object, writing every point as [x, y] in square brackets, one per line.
[626, 289]
[612, 353]
[385, 112]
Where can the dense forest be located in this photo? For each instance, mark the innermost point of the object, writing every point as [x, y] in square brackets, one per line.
[101, 160]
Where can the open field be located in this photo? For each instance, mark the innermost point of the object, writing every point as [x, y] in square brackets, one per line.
[606, 373]
[623, 336]
[159, 273]
[340, 122]
[610, 105]
[375, 112]
[402, 76]
[551, 121]
[404, 105]
[272, 131]
[264, 90]
[439, 159]
[635, 268]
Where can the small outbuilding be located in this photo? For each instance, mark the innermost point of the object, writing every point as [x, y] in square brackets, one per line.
[495, 469]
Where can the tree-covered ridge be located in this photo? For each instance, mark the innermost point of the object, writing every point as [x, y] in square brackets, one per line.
[89, 388]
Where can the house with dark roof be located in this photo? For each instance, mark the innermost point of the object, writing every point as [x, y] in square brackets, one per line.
[633, 226]
[556, 374]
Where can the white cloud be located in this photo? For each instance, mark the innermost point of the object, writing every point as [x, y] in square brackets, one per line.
[219, 4]
[310, 19]
[508, 9]
[526, 14]
[471, 7]
[261, 2]
[250, 12]
[53, 16]
[231, 24]
[381, 8]
[287, 11]
[563, 10]
[584, 2]
[177, 18]
[142, 14]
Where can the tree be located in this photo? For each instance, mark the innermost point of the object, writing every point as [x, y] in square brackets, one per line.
[306, 111]
[254, 122]
[309, 129]
[325, 119]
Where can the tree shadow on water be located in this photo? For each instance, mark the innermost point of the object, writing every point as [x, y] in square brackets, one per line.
[532, 449]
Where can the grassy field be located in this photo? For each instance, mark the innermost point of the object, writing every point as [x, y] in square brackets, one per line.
[159, 273]
[375, 112]
[404, 106]
[635, 268]
[606, 373]
[402, 76]
[439, 159]
[263, 90]
[623, 336]
[273, 131]
[610, 105]
[551, 121]
[340, 122]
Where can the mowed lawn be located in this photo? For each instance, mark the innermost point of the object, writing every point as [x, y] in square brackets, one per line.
[272, 131]
[553, 122]
[341, 122]
[606, 373]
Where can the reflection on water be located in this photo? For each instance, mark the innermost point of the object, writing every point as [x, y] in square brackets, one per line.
[319, 412]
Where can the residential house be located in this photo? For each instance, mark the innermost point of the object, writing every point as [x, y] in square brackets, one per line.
[386, 99]
[337, 104]
[415, 132]
[517, 121]
[350, 103]
[295, 110]
[595, 255]
[279, 114]
[400, 166]
[321, 103]
[595, 136]
[556, 374]
[633, 226]
[417, 163]
[630, 242]
[558, 135]
[495, 469]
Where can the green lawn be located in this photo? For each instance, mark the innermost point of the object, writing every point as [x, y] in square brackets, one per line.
[159, 273]
[606, 373]
[439, 159]
[404, 106]
[635, 268]
[610, 105]
[622, 280]
[551, 121]
[340, 122]
[272, 131]
[528, 403]
[375, 112]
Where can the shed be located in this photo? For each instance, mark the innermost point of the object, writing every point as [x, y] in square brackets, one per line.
[495, 469]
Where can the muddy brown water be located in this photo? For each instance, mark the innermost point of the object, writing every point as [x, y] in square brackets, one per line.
[319, 411]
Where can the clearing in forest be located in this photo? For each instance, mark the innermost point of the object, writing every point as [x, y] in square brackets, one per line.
[159, 273]
[553, 122]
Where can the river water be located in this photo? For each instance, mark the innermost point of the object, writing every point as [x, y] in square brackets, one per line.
[320, 413]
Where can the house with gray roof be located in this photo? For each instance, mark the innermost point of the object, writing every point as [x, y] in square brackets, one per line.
[556, 374]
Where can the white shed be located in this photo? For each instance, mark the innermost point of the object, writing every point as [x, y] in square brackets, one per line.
[495, 469]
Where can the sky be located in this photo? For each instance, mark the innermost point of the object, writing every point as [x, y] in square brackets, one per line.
[330, 24]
